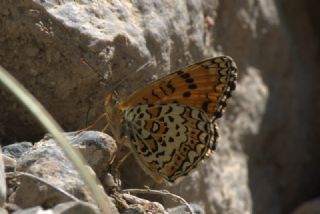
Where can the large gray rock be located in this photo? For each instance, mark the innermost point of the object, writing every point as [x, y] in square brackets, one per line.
[17, 149]
[47, 161]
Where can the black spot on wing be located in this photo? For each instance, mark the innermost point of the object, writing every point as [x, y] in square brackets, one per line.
[141, 115]
[232, 85]
[189, 80]
[145, 99]
[163, 91]
[169, 110]
[217, 114]
[154, 94]
[179, 72]
[160, 154]
[162, 143]
[192, 86]
[205, 105]
[171, 87]
[185, 76]
[186, 94]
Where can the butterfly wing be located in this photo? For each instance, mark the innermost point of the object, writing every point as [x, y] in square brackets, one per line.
[170, 122]
[204, 85]
[169, 140]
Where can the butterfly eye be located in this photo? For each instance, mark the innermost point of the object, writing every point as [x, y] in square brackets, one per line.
[111, 100]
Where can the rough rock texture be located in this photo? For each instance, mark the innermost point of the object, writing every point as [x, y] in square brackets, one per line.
[63, 208]
[267, 159]
[97, 149]
[3, 186]
[17, 149]
[46, 160]
[139, 205]
[182, 209]
[76, 208]
[10, 164]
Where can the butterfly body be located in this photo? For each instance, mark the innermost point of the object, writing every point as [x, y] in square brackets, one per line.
[170, 123]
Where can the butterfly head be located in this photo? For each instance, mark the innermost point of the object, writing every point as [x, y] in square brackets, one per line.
[114, 114]
[111, 100]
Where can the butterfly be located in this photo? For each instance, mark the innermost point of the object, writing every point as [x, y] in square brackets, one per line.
[170, 123]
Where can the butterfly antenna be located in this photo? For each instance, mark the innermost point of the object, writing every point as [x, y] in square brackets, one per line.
[150, 62]
[121, 81]
[83, 61]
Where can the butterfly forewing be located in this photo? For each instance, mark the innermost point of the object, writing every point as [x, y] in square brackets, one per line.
[204, 85]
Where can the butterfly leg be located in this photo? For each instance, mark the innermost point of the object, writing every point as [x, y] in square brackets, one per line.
[105, 127]
[94, 123]
[120, 145]
[115, 168]
[121, 161]
[116, 164]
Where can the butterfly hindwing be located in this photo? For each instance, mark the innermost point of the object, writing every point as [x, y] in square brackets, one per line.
[169, 140]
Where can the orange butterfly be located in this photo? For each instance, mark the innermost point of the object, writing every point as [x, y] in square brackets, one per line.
[170, 122]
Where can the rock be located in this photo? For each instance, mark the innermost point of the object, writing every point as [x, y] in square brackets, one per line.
[33, 210]
[11, 208]
[65, 208]
[3, 186]
[3, 211]
[17, 149]
[137, 205]
[309, 207]
[77, 208]
[10, 164]
[282, 145]
[182, 209]
[97, 149]
[47, 161]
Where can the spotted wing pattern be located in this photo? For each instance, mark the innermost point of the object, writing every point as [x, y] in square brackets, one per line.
[204, 85]
[171, 122]
[169, 139]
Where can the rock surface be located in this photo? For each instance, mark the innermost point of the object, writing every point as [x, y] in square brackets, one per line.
[63, 208]
[3, 186]
[267, 159]
[17, 149]
[48, 162]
